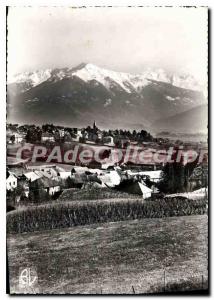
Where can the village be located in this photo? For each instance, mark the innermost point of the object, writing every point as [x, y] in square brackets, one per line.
[32, 183]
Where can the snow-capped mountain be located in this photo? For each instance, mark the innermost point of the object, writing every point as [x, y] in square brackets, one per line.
[77, 96]
[127, 82]
[107, 78]
[32, 78]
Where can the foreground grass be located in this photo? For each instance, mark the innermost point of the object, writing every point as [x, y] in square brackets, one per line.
[120, 257]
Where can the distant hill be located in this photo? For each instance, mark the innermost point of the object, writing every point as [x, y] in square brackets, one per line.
[193, 120]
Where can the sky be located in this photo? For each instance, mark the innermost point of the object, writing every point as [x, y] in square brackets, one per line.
[120, 39]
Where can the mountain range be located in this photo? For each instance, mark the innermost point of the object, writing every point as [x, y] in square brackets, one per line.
[78, 96]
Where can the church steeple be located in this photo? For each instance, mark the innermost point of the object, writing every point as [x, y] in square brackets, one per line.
[94, 125]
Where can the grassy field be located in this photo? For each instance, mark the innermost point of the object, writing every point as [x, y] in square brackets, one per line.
[137, 256]
[94, 194]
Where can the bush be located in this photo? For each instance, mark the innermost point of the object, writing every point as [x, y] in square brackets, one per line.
[53, 216]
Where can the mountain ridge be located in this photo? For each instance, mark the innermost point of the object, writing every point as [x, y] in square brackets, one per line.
[90, 71]
[79, 95]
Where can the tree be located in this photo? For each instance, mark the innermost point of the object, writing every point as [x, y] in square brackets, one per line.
[173, 177]
[134, 133]
[34, 135]
[37, 193]
[69, 182]
[12, 139]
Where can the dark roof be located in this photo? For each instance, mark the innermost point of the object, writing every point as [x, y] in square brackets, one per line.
[47, 182]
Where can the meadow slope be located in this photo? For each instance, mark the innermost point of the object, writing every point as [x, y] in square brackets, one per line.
[118, 257]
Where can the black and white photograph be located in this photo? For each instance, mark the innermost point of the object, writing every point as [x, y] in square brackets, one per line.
[107, 150]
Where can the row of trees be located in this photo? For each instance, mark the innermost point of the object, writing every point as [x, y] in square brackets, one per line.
[33, 133]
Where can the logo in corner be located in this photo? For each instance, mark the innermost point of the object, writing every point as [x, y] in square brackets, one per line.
[27, 277]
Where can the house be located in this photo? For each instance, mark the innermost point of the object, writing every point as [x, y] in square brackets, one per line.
[79, 169]
[61, 132]
[109, 141]
[10, 138]
[84, 136]
[64, 174]
[150, 166]
[144, 190]
[11, 181]
[153, 176]
[44, 172]
[136, 187]
[32, 176]
[14, 137]
[79, 134]
[47, 172]
[18, 138]
[96, 171]
[49, 185]
[47, 137]
[107, 166]
[110, 179]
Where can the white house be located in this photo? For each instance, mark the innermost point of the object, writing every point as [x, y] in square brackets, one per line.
[110, 179]
[79, 132]
[53, 189]
[108, 140]
[47, 137]
[14, 137]
[11, 181]
[65, 174]
[61, 132]
[78, 135]
[18, 138]
[146, 192]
